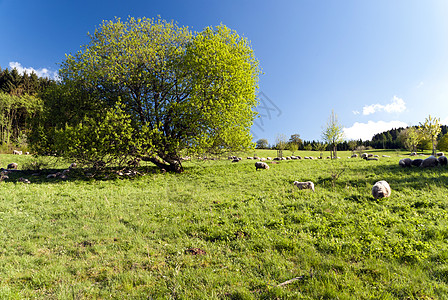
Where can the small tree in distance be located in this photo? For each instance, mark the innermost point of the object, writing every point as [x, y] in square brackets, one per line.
[262, 144]
[431, 129]
[293, 147]
[333, 133]
[410, 138]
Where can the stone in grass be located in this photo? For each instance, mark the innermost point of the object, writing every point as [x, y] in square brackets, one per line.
[381, 189]
[195, 251]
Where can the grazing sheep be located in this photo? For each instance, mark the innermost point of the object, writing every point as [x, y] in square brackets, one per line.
[443, 161]
[381, 189]
[413, 153]
[440, 154]
[269, 158]
[262, 159]
[354, 156]
[250, 157]
[372, 158]
[261, 165]
[405, 162]
[364, 156]
[256, 157]
[24, 180]
[417, 162]
[430, 162]
[277, 158]
[304, 185]
[235, 160]
[72, 165]
[17, 152]
[12, 166]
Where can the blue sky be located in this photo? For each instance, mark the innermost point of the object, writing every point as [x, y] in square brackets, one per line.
[378, 64]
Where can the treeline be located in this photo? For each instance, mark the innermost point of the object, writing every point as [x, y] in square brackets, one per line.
[19, 103]
[391, 139]
[16, 84]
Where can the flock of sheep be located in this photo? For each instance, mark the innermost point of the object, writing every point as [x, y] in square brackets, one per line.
[429, 162]
[381, 189]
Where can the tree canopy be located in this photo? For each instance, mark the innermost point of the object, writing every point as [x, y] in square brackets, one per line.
[174, 91]
[431, 129]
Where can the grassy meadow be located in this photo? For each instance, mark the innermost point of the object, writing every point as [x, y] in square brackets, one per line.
[222, 230]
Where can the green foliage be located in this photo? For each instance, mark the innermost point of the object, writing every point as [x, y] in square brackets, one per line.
[443, 143]
[411, 137]
[262, 144]
[107, 139]
[13, 83]
[186, 92]
[15, 115]
[431, 129]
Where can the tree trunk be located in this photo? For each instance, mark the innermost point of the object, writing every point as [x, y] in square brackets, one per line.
[170, 165]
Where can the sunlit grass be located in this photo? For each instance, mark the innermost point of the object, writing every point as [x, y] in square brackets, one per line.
[140, 237]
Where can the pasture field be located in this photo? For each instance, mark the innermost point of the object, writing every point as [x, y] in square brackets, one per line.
[222, 230]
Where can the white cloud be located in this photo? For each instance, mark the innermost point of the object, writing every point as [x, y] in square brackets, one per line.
[365, 131]
[444, 121]
[355, 112]
[397, 105]
[43, 72]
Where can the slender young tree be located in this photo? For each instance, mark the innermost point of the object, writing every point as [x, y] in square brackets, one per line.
[333, 133]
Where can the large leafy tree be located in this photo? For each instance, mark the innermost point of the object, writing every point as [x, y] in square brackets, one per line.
[182, 92]
[333, 133]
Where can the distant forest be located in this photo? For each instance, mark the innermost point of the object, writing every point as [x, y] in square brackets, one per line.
[385, 140]
[16, 84]
[19, 103]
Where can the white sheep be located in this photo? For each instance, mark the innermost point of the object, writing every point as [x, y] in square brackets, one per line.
[261, 165]
[13, 166]
[304, 185]
[17, 152]
[381, 189]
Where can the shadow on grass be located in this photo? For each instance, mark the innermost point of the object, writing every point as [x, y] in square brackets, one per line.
[54, 175]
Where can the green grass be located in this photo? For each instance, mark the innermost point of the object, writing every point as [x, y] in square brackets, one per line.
[129, 238]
